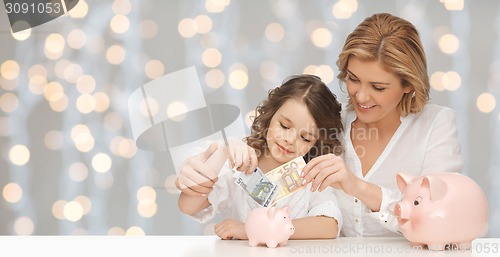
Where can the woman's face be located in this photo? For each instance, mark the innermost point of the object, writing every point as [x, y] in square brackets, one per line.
[292, 132]
[374, 92]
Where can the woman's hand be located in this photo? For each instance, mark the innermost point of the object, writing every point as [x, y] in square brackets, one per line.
[242, 157]
[198, 174]
[330, 170]
[231, 229]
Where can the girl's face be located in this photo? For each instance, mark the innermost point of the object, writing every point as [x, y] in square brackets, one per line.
[292, 132]
[374, 92]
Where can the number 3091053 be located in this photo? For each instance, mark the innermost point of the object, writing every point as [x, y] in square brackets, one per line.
[35, 8]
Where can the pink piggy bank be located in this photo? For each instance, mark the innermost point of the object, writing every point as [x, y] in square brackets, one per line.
[271, 226]
[441, 210]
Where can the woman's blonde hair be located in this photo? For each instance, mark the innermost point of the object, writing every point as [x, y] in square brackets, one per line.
[395, 43]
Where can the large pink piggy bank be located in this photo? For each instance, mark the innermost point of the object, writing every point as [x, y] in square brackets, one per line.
[271, 226]
[441, 210]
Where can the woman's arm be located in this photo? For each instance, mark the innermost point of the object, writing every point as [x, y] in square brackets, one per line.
[197, 177]
[370, 194]
[331, 170]
[315, 227]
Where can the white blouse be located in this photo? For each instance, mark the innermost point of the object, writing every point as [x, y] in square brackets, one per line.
[425, 142]
[232, 202]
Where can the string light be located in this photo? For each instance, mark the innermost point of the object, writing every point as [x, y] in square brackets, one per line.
[215, 78]
[321, 37]
[78, 172]
[275, 32]
[344, 9]
[101, 162]
[80, 10]
[54, 46]
[9, 69]
[325, 72]
[211, 57]
[119, 24]
[19, 155]
[24, 34]
[76, 39]
[154, 69]
[486, 102]
[453, 5]
[9, 102]
[449, 43]
[24, 226]
[12, 192]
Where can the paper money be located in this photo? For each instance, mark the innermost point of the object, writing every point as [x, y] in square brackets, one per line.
[287, 178]
[257, 185]
[267, 189]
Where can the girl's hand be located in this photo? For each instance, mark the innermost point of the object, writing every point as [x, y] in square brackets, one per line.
[242, 157]
[231, 229]
[198, 174]
[330, 170]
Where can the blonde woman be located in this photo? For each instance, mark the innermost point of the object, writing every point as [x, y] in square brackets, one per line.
[389, 126]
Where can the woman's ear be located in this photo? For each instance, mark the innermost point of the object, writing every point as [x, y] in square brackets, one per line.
[408, 89]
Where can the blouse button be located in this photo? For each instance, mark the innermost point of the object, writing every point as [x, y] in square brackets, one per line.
[355, 200]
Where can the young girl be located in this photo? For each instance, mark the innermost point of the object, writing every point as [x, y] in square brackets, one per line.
[299, 118]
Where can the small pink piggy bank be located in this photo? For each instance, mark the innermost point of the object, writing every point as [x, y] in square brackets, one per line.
[441, 209]
[271, 226]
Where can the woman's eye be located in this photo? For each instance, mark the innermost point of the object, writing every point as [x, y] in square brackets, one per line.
[306, 140]
[283, 126]
[379, 88]
[352, 79]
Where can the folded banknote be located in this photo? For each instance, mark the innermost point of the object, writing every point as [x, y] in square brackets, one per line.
[278, 183]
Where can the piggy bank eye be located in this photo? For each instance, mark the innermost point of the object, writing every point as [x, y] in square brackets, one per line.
[417, 201]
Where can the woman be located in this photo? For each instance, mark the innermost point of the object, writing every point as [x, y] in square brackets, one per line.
[389, 126]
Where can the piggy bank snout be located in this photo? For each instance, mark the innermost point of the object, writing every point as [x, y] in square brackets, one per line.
[291, 229]
[401, 210]
[397, 210]
[402, 213]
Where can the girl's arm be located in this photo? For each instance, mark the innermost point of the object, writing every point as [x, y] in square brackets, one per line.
[315, 227]
[191, 205]
[199, 173]
[312, 227]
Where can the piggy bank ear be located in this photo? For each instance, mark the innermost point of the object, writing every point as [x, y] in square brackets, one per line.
[271, 212]
[437, 187]
[287, 209]
[403, 180]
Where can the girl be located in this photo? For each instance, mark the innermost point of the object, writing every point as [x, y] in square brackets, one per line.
[390, 126]
[299, 118]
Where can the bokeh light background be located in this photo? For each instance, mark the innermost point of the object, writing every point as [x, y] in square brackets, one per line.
[69, 164]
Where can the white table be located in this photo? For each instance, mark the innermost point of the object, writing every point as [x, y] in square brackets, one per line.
[207, 246]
